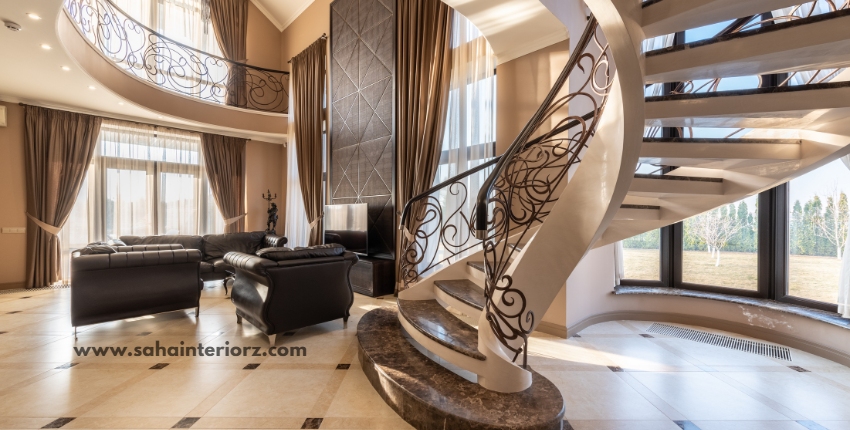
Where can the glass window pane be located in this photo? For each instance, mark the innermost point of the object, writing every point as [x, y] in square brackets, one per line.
[720, 247]
[178, 204]
[817, 204]
[642, 256]
[127, 203]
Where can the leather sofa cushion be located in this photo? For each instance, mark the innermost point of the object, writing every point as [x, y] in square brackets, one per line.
[115, 242]
[139, 248]
[273, 241]
[96, 249]
[318, 251]
[216, 245]
[219, 265]
[135, 259]
[206, 267]
[188, 242]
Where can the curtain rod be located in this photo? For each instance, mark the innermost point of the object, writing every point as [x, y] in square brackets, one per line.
[324, 36]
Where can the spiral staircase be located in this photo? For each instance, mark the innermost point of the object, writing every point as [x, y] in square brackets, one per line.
[476, 283]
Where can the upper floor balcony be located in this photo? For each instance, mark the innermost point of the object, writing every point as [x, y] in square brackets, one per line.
[191, 83]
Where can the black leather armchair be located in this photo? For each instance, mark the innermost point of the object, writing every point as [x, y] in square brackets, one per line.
[280, 289]
[133, 282]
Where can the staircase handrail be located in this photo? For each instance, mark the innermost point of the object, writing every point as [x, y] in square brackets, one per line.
[169, 64]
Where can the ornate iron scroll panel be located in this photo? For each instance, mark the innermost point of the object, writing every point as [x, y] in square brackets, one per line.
[155, 58]
[431, 237]
[527, 186]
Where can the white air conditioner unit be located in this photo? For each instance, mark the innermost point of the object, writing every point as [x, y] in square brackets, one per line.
[2, 116]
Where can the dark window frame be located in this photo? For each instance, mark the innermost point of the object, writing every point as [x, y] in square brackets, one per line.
[773, 254]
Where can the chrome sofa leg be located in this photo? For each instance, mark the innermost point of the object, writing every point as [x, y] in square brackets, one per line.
[238, 319]
[345, 321]
[197, 311]
[272, 338]
[75, 332]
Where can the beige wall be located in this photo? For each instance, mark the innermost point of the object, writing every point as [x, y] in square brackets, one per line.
[263, 173]
[263, 40]
[13, 192]
[521, 85]
[308, 27]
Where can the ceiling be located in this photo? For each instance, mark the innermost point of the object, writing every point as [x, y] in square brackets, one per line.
[282, 12]
[33, 75]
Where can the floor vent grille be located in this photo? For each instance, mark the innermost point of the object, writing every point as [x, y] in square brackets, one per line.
[724, 341]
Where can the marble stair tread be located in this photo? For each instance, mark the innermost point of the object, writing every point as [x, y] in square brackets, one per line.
[477, 265]
[438, 324]
[677, 178]
[686, 140]
[429, 396]
[464, 290]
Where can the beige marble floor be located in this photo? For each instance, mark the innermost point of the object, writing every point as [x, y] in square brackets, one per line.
[660, 382]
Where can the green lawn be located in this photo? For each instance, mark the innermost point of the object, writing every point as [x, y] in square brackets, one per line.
[813, 278]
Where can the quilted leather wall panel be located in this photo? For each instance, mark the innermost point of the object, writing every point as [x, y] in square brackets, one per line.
[362, 139]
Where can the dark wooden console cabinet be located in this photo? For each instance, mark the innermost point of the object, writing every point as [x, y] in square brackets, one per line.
[373, 277]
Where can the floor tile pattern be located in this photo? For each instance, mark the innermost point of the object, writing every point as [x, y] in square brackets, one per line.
[612, 376]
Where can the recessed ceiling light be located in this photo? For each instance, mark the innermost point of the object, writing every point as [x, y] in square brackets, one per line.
[159, 116]
[45, 46]
[34, 16]
[66, 68]
[120, 103]
[91, 87]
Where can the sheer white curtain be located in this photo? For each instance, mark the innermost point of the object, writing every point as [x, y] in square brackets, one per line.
[186, 21]
[144, 180]
[470, 134]
[296, 226]
[844, 279]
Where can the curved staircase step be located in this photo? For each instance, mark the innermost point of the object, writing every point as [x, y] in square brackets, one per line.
[429, 396]
[477, 265]
[799, 45]
[464, 290]
[440, 325]
[671, 16]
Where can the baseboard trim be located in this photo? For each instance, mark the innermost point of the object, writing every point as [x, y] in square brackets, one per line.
[552, 329]
[718, 324]
[12, 286]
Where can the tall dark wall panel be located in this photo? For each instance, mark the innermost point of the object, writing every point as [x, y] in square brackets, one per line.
[362, 139]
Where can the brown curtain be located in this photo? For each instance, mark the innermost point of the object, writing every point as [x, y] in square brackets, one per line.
[230, 23]
[224, 158]
[59, 149]
[308, 94]
[423, 52]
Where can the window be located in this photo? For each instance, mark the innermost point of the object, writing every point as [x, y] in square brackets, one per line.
[818, 221]
[143, 180]
[720, 247]
[642, 256]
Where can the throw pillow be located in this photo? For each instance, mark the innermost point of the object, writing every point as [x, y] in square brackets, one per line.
[95, 248]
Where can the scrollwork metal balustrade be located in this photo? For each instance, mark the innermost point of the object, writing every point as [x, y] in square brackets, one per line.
[155, 58]
[519, 193]
[529, 178]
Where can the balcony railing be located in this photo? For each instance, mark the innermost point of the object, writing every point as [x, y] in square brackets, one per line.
[157, 59]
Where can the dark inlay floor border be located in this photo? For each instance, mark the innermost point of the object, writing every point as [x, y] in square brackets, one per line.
[59, 423]
[815, 314]
[798, 369]
[66, 366]
[251, 366]
[186, 422]
[343, 366]
[13, 312]
[616, 369]
[144, 333]
[312, 423]
[158, 366]
[648, 336]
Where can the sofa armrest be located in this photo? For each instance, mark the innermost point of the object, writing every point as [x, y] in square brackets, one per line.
[248, 262]
[274, 241]
[80, 263]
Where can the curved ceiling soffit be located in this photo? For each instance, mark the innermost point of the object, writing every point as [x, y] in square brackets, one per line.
[512, 27]
[204, 116]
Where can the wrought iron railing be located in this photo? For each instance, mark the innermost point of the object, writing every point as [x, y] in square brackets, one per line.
[433, 235]
[155, 58]
[528, 180]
